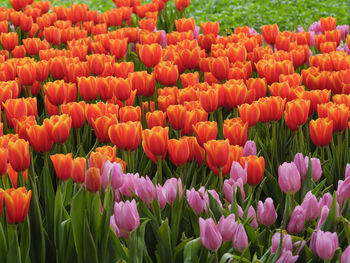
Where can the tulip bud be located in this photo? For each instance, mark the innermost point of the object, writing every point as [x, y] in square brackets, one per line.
[227, 227]
[93, 180]
[296, 221]
[302, 164]
[326, 244]
[286, 256]
[266, 212]
[113, 171]
[326, 200]
[343, 191]
[252, 213]
[310, 206]
[146, 190]
[129, 183]
[209, 234]
[323, 216]
[316, 169]
[289, 177]
[161, 197]
[249, 148]
[229, 186]
[286, 242]
[126, 217]
[213, 194]
[171, 188]
[240, 241]
[196, 201]
[345, 257]
[237, 172]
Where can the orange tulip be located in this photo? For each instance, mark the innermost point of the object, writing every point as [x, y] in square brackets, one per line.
[339, 114]
[18, 155]
[122, 70]
[130, 113]
[59, 127]
[210, 28]
[121, 88]
[87, 88]
[155, 118]
[318, 97]
[18, 51]
[17, 204]
[126, 135]
[76, 110]
[78, 170]
[9, 40]
[255, 169]
[178, 151]
[3, 161]
[249, 113]
[236, 131]
[219, 67]
[217, 152]
[185, 24]
[40, 138]
[27, 74]
[176, 115]
[155, 142]
[119, 47]
[296, 113]
[281, 89]
[181, 4]
[205, 131]
[259, 85]
[189, 79]
[55, 92]
[328, 23]
[97, 63]
[234, 95]
[321, 131]
[327, 47]
[63, 165]
[209, 100]
[150, 55]
[270, 33]
[101, 127]
[167, 73]
[93, 179]
[15, 108]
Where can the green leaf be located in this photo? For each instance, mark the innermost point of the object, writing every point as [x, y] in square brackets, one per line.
[89, 245]
[215, 207]
[330, 224]
[137, 243]
[3, 244]
[25, 240]
[77, 215]
[308, 184]
[164, 242]
[14, 253]
[116, 245]
[176, 215]
[191, 250]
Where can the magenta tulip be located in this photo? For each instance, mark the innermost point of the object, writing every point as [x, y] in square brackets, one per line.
[209, 234]
[266, 212]
[240, 240]
[289, 178]
[310, 206]
[296, 221]
[326, 244]
[126, 217]
[146, 190]
[227, 227]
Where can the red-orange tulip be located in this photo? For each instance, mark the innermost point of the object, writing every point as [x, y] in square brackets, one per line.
[59, 127]
[185, 24]
[119, 47]
[93, 179]
[270, 33]
[130, 113]
[209, 100]
[55, 92]
[150, 55]
[210, 28]
[63, 165]
[179, 151]
[87, 88]
[205, 131]
[296, 113]
[101, 127]
[78, 170]
[220, 67]
[40, 138]
[249, 113]
[126, 135]
[217, 152]
[339, 114]
[27, 74]
[167, 73]
[255, 169]
[321, 131]
[328, 23]
[155, 142]
[76, 110]
[155, 118]
[18, 155]
[236, 131]
[9, 40]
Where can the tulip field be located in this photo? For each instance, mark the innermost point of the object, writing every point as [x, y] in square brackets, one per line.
[138, 133]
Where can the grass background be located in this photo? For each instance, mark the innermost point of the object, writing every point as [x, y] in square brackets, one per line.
[288, 14]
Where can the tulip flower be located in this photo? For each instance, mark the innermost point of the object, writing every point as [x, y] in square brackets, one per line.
[321, 131]
[93, 180]
[17, 204]
[316, 169]
[112, 172]
[129, 183]
[219, 67]
[205, 131]
[146, 190]
[209, 100]
[326, 244]
[255, 168]
[3, 161]
[345, 257]
[249, 148]
[296, 220]
[150, 55]
[171, 188]
[178, 151]
[236, 131]
[227, 227]
[126, 217]
[167, 73]
[289, 178]
[286, 242]
[196, 200]
[266, 212]
[209, 234]
[126, 135]
[176, 115]
[240, 240]
[296, 113]
[230, 188]
[155, 142]
[40, 138]
[78, 170]
[237, 172]
[18, 155]
[302, 163]
[160, 196]
[286, 256]
[63, 165]
[130, 113]
[311, 207]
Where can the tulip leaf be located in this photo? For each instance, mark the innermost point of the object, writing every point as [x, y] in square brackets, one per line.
[57, 216]
[330, 224]
[116, 246]
[105, 222]
[215, 207]
[176, 214]
[308, 184]
[164, 242]
[14, 253]
[137, 243]
[25, 240]
[89, 246]
[179, 248]
[77, 215]
[3, 244]
[286, 213]
[191, 250]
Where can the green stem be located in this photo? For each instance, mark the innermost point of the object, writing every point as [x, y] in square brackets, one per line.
[216, 257]
[221, 179]
[340, 151]
[301, 139]
[221, 122]
[159, 170]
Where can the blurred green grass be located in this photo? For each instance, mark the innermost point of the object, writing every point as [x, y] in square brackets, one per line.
[288, 14]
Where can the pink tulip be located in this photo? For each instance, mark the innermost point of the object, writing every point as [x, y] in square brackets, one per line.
[316, 169]
[343, 191]
[146, 190]
[229, 186]
[160, 196]
[240, 240]
[296, 221]
[345, 257]
[286, 242]
[344, 30]
[126, 217]
[286, 256]
[114, 173]
[171, 188]
[326, 244]
[323, 216]
[289, 177]
[237, 172]
[347, 170]
[114, 226]
[227, 227]
[249, 148]
[213, 194]
[196, 201]
[251, 213]
[209, 234]
[302, 163]
[311, 207]
[130, 182]
[326, 200]
[266, 212]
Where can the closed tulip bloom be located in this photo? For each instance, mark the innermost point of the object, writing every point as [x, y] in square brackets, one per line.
[55, 92]
[167, 73]
[240, 240]
[27, 74]
[217, 152]
[219, 67]
[126, 135]
[227, 227]
[126, 217]
[146, 190]
[150, 55]
[155, 142]
[76, 110]
[3, 161]
[326, 244]
[236, 131]
[249, 113]
[63, 165]
[249, 148]
[176, 115]
[210, 27]
[270, 33]
[255, 168]
[209, 234]
[345, 257]
[237, 172]
[289, 178]
[296, 113]
[40, 138]
[196, 201]
[339, 114]
[205, 131]
[296, 220]
[286, 256]
[230, 188]
[311, 207]
[93, 180]
[87, 88]
[59, 127]
[155, 118]
[178, 151]
[17, 204]
[316, 169]
[302, 163]
[130, 113]
[321, 131]
[266, 212]
[209, 100]
[112, 172]
[286, 242]
[328, 23]
[118, 47]
[122, 89]
[9, 40]
[172, 188]
[78, 170]
[18, 155]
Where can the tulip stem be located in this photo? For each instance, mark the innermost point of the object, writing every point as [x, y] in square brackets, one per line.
[340, 151]
[216, 257]
[301, 139]
[220, 122]
[159, 170]
[221, 179]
